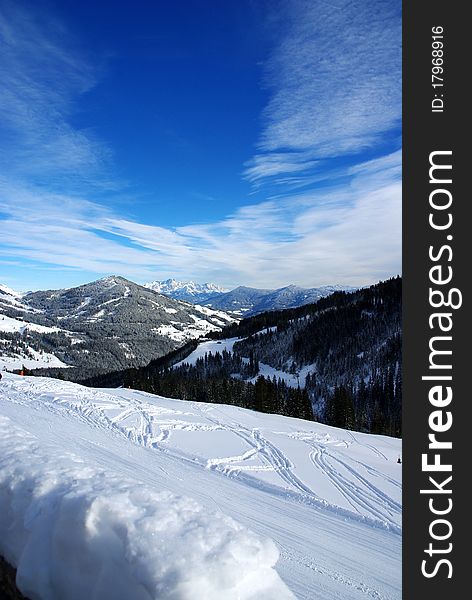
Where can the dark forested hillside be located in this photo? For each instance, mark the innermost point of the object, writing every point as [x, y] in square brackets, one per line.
[344, 351]
[353, 342]
[106, 325]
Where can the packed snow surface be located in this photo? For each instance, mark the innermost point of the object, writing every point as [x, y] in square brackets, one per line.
[122, 494]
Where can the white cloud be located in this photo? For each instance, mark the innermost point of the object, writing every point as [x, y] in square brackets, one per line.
[335, 81]
[335, 90]
[342, 234]
[42, 74]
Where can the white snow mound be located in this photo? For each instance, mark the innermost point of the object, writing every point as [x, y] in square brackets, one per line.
[74, 531]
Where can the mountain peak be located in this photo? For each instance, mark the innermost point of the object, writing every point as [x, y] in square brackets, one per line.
[113, 279]
[190, 291]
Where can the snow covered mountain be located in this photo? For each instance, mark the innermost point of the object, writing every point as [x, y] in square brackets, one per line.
[246, 301]
[11, 300]
[143, 497]
[196, 293]
[107, 324]
[243, 301]
[7, 294]
[18, 323]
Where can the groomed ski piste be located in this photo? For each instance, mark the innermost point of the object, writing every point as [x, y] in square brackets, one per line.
[119, 494]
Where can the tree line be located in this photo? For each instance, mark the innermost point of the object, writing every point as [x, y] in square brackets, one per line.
[347, 345]
[222, 378]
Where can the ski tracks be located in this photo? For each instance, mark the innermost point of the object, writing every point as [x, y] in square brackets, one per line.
[272, 458]
[151, 426]
[360, 493]
[335, 575]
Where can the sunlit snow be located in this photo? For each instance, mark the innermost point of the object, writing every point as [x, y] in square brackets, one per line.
[138, 496]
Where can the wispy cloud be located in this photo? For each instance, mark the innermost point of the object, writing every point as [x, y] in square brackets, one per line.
[345, 234]
[42, 75]
[335, 82]
[334, 91]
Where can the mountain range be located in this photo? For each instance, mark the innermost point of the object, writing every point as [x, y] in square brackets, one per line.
[107, 324]
[189, 291]
[243, 301]
[337, 360]
[113, 323]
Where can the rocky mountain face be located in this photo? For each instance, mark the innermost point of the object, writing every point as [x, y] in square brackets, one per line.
[243, 301]
[104, 325]
[189, 291]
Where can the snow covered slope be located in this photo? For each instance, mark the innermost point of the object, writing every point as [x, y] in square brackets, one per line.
[30, 358]
[295, 379]
[21, 354]
[9, 298]
[11, 325]
[94, 474]
[206, 347]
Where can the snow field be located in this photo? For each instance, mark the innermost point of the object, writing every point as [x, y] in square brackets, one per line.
[40, 359]
[203, 348]
[74, 531]
[330, 499]
[11, 325]
[36, 359]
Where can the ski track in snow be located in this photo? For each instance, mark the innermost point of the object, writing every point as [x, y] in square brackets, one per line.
[152, 427]
[305, 463]
[272, 457]
[363, 496]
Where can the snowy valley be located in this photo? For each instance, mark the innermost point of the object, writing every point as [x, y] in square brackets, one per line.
[337, 360]
[157, 482]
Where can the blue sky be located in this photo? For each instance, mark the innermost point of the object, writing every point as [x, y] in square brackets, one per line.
[241, 142]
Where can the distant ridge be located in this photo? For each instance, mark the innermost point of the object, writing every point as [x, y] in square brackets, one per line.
[243, 301]
[189, 291]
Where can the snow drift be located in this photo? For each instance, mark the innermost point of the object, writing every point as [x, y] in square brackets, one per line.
[74, 531]
[95, 487]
